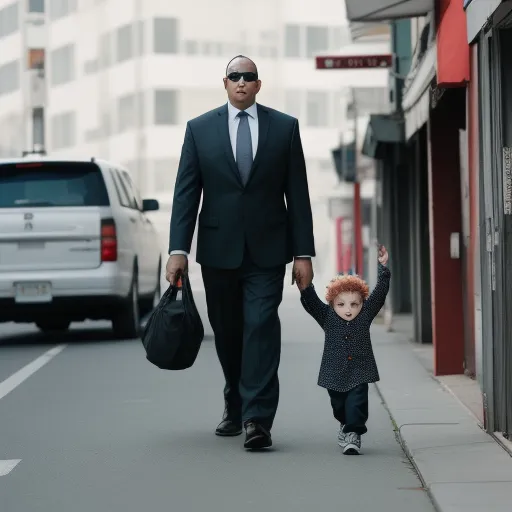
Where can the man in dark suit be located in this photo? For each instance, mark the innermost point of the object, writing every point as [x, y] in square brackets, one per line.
[246, 160]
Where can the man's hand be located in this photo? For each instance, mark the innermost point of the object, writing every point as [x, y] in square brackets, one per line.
[175, 268]
[383, 255]
[302, 272]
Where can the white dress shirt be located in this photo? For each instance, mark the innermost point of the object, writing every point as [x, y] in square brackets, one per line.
[234, 121]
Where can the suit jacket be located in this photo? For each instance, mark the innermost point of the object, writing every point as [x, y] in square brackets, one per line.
[235, 217]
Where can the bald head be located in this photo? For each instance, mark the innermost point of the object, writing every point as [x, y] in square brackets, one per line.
[241, 61]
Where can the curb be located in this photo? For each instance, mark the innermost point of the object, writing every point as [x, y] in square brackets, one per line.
[400, 440]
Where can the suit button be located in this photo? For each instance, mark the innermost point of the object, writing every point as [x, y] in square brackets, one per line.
[346, 337]
[350, 358]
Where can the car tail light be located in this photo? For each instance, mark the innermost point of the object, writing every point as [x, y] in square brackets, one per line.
[108, 240]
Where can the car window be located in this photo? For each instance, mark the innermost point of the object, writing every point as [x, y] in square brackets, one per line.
[52, 184]
[132, 189]
[132, 203]
[124, 200]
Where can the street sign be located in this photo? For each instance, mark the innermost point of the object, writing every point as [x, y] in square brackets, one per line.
[354, 61]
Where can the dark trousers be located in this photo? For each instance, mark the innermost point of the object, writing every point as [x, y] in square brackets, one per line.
[243, 312]
[351, 408]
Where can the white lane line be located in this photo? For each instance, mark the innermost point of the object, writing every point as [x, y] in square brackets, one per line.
[6, 466]
[24, 373]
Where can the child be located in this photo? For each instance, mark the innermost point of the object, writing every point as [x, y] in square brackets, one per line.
[348, 364]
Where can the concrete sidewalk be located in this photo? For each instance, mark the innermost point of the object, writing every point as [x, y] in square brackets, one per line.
[460, 465]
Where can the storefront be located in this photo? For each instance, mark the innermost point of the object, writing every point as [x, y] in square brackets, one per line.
[384, 142]
[489, 25]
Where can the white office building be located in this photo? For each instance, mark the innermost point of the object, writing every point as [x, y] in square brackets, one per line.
[118, 79]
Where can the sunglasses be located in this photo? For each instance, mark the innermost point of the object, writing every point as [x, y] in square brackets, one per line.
[248, 76]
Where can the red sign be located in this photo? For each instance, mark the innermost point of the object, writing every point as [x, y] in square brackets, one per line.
[354, 62]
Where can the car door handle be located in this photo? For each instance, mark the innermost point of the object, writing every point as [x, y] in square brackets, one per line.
[133, 219]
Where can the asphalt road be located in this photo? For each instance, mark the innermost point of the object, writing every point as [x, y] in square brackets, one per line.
[98, 428]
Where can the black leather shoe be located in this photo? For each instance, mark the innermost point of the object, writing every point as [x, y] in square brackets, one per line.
[256, 437]
[228, 428]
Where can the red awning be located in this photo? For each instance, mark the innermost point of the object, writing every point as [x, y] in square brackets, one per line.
[452, 44]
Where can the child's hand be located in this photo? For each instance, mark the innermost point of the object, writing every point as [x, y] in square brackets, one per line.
[383, 255]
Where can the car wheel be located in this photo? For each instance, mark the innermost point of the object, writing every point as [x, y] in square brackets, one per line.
[53, 326]
[126, 323]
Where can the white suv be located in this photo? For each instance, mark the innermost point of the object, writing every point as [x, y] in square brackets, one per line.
[75, 244]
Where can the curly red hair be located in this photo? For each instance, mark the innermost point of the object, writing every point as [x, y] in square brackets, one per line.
[346, 284]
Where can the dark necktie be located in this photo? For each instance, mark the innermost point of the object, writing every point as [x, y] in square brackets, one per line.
[244, 147]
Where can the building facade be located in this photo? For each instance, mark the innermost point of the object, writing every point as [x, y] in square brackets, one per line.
[489, 36]
[120, 78]
[455, 188]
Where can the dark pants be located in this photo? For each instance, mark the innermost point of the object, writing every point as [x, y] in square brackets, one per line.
[351, 408]
[243, 312]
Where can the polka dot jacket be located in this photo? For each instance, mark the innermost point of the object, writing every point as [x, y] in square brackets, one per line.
[348, 358]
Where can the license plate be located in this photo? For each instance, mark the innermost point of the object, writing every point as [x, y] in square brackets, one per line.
[33, 292]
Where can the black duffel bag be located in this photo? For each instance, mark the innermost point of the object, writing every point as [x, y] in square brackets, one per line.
[174, 331]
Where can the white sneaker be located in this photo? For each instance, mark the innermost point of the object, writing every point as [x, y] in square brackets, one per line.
[342, 437]
[352, 444]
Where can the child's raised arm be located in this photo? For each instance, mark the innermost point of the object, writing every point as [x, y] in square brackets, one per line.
[377, 298]
[313, 305]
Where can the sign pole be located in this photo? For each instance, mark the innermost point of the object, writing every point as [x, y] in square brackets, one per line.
[358, 226]
[346, 62]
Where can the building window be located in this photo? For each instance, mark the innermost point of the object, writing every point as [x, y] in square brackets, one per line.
[165, 35]
[9, 20]
[166, 107]
[140, 28]
[317, 112]
[207, 48]
[105, 53]
[63, 130]
[36, 58]
[191, 47]
[90, 66]
[124, 43]
[127, 112]
[35, 5]
[9, 77]
[38, 126]
[317, 40]
[63, 65]
[292, 41]
[61, 8]
[340, 36]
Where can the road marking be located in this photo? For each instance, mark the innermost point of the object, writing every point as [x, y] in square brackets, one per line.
[24, 373]
[6, 466]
